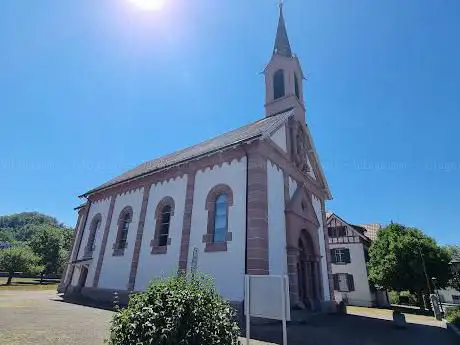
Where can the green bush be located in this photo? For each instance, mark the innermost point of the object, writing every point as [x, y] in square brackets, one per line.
[176, 311]
[394, 297]
[453, 315]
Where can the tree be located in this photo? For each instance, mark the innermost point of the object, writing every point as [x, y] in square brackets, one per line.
[404, 258]
[19, 259]
[21, 226]
[46, 242]
[454, 253]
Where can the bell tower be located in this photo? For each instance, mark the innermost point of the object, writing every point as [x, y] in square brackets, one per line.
[283, 76]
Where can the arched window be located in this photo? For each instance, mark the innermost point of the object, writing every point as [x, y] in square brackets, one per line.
[278, 84]
[95, 225]
[124, 221]
[296, 86]
[218, 203]
[220, 219]
[124, 231]
[163, 214]
[165, 222]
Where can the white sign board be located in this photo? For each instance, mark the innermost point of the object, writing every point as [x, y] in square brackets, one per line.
[267, 296]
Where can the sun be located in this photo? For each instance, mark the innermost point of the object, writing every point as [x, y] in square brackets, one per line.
[149, 5]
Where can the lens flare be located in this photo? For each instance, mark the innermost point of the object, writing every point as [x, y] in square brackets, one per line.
[149, 5]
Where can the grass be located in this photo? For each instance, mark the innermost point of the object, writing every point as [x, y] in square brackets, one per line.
[28, 284]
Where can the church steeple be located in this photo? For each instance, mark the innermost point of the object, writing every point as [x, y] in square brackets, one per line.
[283, 76]
[282, 46]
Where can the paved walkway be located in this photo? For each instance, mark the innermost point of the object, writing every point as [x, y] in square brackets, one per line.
[41, 317]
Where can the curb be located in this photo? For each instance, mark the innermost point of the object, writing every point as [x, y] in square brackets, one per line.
[452, 327]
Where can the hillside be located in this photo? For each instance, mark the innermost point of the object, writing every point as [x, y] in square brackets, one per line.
[21, 226]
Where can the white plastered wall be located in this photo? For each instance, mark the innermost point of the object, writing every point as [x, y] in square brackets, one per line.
[227, 268]
[115, 269]
[279, 138]
[161, 265]
[276, 220]
[362, 295]
[446, 295]
[99, 207]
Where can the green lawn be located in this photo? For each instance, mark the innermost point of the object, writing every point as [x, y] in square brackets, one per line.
[28, 284]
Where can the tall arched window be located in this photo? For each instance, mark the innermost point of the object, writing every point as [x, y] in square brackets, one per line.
[218, 203]
[220, 219]
[296, 86]
[124, 221]
[124, 231]
[165, 222]
[163, 216]
[95, 225]
[278, 84]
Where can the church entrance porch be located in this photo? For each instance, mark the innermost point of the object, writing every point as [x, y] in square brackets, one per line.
[304, 273]
[307, 274]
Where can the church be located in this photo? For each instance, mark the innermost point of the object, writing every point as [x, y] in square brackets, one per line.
[250, 201]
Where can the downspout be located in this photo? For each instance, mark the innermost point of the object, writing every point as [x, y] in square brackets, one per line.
[246, 230]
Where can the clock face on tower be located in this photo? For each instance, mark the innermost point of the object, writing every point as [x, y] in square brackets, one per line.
[301, 150]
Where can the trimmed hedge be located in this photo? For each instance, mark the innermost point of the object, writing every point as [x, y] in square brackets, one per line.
[176, 311]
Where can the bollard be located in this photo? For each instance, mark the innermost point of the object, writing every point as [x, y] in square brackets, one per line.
[399, 319]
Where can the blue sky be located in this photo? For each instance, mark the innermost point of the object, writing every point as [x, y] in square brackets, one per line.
[91, 88]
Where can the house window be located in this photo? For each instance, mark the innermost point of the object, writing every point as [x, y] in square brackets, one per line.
[124, 220]
[163, 215]
[340, 256]
[95, 225]
[296, 85]
[278, 84]
[218, 203]
[220, 219]
[456, 299]
[344, 282]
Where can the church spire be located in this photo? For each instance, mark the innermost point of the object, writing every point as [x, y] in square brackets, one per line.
[282, 46]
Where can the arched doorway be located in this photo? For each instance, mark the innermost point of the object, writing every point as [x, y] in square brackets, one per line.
[307, 272]
[82, 277]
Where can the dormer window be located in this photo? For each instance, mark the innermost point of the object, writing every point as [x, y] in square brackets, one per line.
[278, 84]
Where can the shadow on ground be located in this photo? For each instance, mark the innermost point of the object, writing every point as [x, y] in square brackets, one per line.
[85, 302]
[323, 329]
[354, 330]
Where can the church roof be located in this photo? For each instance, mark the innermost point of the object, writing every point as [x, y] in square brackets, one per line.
[258, 129]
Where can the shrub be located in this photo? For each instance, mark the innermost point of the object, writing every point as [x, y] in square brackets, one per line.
[394, 297]
[176, 311]
[453, 315]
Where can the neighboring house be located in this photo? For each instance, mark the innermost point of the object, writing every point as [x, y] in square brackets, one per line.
[449, 295]
[250, 201]
[371, 230]
[349, 247]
